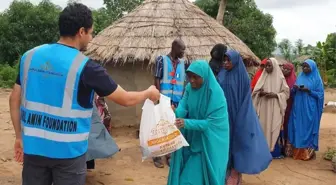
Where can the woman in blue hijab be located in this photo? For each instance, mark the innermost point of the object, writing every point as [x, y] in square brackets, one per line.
[304, 121]
[249, 152]
[203, 120]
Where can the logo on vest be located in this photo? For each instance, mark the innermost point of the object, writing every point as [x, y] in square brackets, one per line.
[47, 66]
[46, 69]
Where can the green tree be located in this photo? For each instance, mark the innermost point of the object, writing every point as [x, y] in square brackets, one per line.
[308, 50]
[331, 40]
[246, 21]
[320, 56]
[286, 49]
[117, 8]
[102, 19]
[330, 44]
[299, 47]
[24, 25]
[325, 55]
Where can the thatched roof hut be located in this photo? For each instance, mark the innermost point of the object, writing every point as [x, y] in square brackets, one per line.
[302, 58]
[281, 60]
[149, 30]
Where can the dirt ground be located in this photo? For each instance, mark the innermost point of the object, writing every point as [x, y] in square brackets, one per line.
[126, 168]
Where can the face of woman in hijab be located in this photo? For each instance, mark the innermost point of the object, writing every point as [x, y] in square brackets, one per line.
[196, 81]
[306, 68]
[227, 65]
[269, 67]
[286, 70]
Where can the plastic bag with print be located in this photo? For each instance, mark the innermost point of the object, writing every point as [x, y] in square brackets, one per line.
[158, 134]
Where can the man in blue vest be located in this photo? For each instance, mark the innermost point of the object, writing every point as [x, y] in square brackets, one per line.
[51, 103]
[169, 79]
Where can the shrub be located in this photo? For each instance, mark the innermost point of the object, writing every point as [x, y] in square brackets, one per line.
[7, 75]
[331, 75]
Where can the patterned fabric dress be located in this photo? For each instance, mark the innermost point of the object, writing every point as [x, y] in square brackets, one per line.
[106, 119]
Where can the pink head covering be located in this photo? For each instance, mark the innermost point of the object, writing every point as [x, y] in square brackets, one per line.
[292, 77]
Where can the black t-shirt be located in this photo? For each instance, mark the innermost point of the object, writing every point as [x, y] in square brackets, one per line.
[93, 78]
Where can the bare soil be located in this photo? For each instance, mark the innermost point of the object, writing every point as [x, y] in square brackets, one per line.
[126, 168]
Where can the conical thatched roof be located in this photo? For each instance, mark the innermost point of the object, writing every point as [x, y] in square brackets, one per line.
[302, 58]
[149, 30]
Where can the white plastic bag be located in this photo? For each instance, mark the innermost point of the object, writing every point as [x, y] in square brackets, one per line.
[158, 134]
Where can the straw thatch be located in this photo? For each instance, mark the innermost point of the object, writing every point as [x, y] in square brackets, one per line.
[149, 30]
[281, 60]
[302, 58]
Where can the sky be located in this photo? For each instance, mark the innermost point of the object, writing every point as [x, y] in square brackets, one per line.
[309, 20]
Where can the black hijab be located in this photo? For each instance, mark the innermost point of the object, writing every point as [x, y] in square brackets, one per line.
[217, 57]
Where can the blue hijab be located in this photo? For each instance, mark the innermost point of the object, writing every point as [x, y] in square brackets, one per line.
[304, 121]
[249, 152]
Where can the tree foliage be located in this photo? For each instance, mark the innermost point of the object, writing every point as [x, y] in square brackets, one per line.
[246, 21]
[324, 53]
[117, 8]
[331, 40]
[286, 49]
[24, 26]
[7, 75]
[299, 47]
[102, 19]
[307, 50]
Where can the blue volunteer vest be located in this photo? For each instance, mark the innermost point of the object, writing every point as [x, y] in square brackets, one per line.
[172, 86]
[53, 124]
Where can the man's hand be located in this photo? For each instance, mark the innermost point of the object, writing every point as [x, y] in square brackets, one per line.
[14, 104]
[132, 98]
[179, 123]
[153, 93]
[18, 150]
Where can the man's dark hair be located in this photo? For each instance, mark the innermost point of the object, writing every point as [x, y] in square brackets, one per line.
[74, 17]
